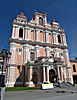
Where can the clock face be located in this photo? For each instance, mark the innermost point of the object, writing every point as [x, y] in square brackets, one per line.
[19, 50]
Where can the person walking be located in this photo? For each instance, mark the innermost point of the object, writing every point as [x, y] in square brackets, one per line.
[59, 83]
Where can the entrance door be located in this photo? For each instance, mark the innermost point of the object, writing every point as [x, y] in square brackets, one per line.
[35, 78]
[75, 79]
[51, 75]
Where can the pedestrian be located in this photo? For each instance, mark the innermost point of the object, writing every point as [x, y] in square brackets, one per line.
[59, 82]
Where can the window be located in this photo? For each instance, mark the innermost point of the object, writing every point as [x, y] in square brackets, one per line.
[32, 56]
[32, 35]
[20, 33]
[50, 41]
[59, 39]
[18, 69]
[74, 69]
[41, 36]
[40, 21]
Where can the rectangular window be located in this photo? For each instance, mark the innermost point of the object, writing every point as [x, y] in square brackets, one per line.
[32, 56]
[74, 69]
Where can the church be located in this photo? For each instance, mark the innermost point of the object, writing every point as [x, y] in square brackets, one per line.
[39, 52]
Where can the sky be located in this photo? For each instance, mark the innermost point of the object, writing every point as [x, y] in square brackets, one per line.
[63, 11]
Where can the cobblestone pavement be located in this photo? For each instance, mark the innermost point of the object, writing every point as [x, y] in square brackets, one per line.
[53, 94]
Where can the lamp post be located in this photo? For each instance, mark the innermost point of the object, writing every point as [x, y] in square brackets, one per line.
[4, 55]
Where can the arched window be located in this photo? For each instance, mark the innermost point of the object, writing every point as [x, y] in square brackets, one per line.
[59, 39]
[32, 35]
[40, 21]
[20, 33]
[74, 69]
[41, 36]
[50, 41]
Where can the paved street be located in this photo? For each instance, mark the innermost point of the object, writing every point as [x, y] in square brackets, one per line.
[53, 94]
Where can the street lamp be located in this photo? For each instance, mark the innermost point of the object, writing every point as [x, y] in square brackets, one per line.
[4, 55]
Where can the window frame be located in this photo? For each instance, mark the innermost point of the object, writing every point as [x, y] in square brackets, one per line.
[40, 21]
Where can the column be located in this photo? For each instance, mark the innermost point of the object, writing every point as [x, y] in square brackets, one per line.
[26, 53]
[48, 74]
[65, 73]
[46, 34]
[38, 74]
[31, 75]
[52, 38]
[58, 72]
[56, 52]
[13, 32]
[44, 79]
[61, 74]
[36, 35]
[64, 39]
[28, 34]
[36, 19]
[45, 21]
[25, 33]
[55, 38]
[47, 51]
[37, 51]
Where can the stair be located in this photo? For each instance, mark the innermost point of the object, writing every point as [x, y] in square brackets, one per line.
[63, 85]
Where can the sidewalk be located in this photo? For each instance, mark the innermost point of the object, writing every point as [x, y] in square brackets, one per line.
[42, 94]
[2, 92]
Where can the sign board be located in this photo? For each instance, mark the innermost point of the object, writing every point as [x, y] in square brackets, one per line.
[47, 86]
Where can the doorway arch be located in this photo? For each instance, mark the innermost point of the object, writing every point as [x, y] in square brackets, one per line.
[35, 77]
[51, 75]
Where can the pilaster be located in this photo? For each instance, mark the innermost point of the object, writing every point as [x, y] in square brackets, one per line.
[26, 53]
[47, 51]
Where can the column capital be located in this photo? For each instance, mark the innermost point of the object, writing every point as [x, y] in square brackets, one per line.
[26, 47]
[66, 51]
[54, 33]
[37, 47]
[13, 46]
[47, 49]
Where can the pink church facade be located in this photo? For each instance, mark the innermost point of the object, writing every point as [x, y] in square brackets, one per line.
[39, 52]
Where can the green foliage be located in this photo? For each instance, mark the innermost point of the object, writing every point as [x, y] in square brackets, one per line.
[21, 88]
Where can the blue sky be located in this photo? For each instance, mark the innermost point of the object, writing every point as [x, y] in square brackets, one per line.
[63, 11]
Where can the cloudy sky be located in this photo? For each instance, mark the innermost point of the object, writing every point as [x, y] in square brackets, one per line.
[63, 11]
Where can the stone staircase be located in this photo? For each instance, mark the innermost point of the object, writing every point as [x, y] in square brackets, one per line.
[63, 85]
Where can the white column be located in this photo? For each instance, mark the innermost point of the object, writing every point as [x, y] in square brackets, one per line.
[58, 73]
[47, 51]
[36, 35]
[48, 74]
[38, 74]
[13, 32]
[31, 75]
[28, 33]
[37, 51]
[55, 38]
[26, 53]
[36, 19]
[61, 74]
[65, 73]
[23, 32]
[46, 33]
[45, 21]
[56, 52]
[44, 80]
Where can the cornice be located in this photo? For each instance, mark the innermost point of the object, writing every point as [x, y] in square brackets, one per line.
[38, 43]
[38, 27]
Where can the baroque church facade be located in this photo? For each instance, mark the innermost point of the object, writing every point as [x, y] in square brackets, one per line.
[39, 52]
